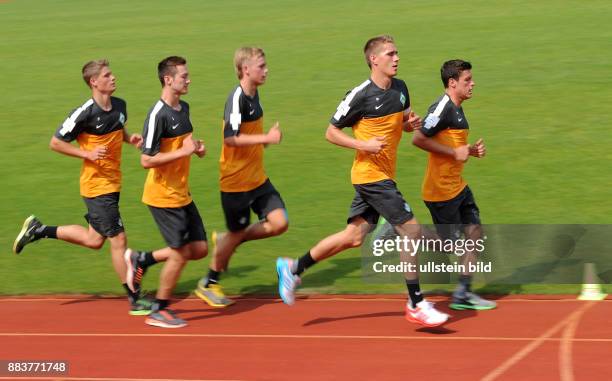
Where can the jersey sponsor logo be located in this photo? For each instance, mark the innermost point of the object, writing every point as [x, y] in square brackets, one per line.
[379, 106]
[403, 99]
[431, 121]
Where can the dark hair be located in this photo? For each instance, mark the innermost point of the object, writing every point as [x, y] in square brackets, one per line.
[452, 69]
[167, 66]
[372, 46]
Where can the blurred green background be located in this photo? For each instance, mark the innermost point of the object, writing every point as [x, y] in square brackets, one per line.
[541, 103]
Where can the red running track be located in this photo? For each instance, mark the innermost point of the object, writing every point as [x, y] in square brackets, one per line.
[329, 338]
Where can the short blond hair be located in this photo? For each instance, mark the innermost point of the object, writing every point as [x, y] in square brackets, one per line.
[244, 54]
[373, 46]
[93, 69]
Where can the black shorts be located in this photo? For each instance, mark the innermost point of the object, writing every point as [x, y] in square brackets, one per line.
[103, 214]
[381, 198]
[237, 205]
[452, 215]
[179, 226]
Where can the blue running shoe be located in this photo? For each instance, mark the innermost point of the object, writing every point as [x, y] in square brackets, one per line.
[287, 281]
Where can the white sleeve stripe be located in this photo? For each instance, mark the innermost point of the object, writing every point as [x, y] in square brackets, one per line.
[69, 123]
[151, 125]
[344, 106]
[441, 105]
[350, 97]
[235, 115]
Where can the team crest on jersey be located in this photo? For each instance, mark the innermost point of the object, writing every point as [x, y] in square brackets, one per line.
[403, 99]
[121, 118]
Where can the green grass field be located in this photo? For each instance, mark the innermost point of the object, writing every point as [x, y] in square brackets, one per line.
[542, 104]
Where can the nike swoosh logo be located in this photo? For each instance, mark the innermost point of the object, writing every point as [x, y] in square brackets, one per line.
[379, 106]
[251, 112]
[175, 126]
[99, 125]
[417, 292]
[460, 119]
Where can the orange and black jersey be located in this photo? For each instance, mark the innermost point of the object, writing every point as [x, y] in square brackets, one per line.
[92, 126]
[372, 111]
[164, 131]
[241, 168]
[445, 123]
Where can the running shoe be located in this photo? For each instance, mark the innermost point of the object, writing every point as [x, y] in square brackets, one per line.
[470, 301]
[213, 294]
[165, 319]
[287, 281]
[135, 270]
[27, 233]
[142, 306]
[425, 314]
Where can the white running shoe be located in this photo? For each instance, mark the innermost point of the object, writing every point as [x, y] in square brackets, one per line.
[425, 314]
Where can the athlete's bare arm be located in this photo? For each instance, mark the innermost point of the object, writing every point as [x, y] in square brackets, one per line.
[189, 147]
[460, 153]
[57, 145]
[411, 121]
[336, 136]
[274, 136]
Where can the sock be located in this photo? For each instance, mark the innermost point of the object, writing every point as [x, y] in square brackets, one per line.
[303, 263]
[146, 259]
[132, 296]
[160, 304]
[213, 277]
[465, 283]
[46, 232]
[414, 291]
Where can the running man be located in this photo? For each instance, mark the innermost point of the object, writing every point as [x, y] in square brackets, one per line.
[98, 125]
[377, 110]
[166, 152]
[446, 194]
[243, 181]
